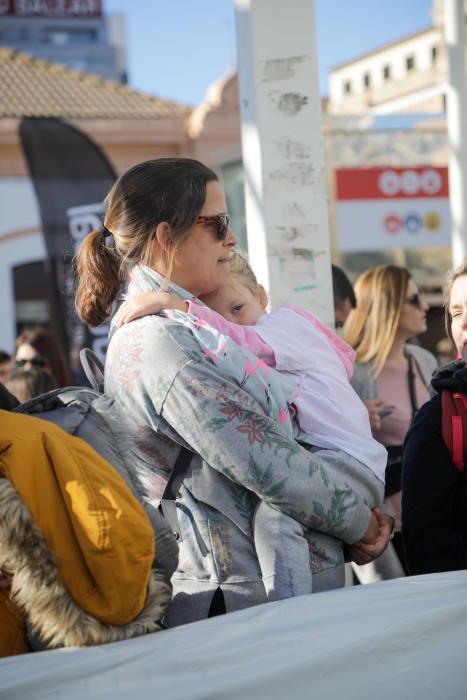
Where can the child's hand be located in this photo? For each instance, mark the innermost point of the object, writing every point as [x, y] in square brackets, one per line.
[145, 303]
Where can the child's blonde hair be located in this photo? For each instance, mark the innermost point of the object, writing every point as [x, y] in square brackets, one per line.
[240, 266]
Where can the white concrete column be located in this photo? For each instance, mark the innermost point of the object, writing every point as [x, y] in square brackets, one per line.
[454, 27]
[283, 155]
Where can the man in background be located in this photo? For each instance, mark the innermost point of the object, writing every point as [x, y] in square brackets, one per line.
[344, 296]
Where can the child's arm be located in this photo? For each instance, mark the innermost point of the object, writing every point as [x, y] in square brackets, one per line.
[145, 303]
[245, 336]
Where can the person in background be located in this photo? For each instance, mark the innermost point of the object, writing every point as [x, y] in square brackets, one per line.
[391, 376]
[25, 384]
[344, 296]
[39, 348]
[6, 365]
[434, 493]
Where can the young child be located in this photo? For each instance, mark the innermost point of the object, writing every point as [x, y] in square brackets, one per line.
[330, 415]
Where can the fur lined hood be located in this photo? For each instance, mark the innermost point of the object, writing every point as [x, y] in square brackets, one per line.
[77, 543]
[39, 591]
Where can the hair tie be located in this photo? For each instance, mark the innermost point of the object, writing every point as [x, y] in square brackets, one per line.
[104, 231]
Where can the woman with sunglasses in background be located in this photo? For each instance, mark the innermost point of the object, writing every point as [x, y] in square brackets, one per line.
[39, 349]
[392, 377]
[182, 384]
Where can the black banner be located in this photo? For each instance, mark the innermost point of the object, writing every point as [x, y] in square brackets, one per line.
[71, 176]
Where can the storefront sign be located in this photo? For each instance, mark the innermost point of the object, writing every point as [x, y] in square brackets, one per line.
[381, 208]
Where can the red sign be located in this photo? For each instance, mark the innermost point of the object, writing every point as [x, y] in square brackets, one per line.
[53, 9]
[392, 183]
[379, 208]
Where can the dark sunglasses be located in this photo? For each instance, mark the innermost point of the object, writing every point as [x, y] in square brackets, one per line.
[415, 300]
[222, 222]
[37, 361]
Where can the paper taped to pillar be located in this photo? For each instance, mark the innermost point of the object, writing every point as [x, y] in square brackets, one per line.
[71, 176]
[385, 207]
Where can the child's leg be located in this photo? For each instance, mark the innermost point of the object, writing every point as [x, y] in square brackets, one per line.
[283, 553]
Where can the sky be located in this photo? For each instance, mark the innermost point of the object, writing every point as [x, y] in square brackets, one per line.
[177, 48]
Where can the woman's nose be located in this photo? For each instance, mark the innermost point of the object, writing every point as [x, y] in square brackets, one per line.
[230, 239]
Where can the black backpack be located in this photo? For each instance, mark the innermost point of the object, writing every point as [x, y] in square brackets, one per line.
[88, 413]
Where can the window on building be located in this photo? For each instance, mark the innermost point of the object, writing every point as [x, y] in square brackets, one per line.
[410, 63]
[62, 37]
[434, 54]
[386, 72]
[366, 80]
[347, 87]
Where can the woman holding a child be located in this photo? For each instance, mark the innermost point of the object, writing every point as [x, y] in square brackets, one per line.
[183, 384]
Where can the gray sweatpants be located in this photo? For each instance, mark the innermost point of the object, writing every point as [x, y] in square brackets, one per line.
[290, 556]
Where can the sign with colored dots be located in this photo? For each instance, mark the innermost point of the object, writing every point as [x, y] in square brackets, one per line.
[386, 207]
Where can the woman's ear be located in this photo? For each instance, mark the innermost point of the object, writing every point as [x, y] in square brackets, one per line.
[163, 235]
[262, 296]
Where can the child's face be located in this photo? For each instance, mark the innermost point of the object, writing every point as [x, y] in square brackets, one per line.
[237, 303]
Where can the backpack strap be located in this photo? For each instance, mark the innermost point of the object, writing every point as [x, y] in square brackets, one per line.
[93, 369]
[453, 424]
[93, 366]
[168, 506]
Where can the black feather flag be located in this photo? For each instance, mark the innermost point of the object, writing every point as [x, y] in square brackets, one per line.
[71, 176]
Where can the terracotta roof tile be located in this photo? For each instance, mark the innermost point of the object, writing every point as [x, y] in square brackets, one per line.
[35, 88]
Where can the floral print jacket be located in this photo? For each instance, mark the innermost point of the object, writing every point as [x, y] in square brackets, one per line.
[175, 394]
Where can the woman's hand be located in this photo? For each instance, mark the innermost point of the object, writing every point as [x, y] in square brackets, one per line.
[362, 553]
[145, 303]
[371, 534]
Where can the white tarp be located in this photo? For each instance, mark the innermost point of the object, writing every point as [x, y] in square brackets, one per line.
[398, 639]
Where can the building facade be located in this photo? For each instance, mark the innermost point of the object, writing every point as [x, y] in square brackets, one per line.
[128, 126]
[395, 122]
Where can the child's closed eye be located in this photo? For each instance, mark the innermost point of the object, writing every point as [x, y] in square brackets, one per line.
[236, 309]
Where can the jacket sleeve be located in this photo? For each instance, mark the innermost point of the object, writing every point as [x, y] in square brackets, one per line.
[226, 426]
[433, 538]
[245, 336]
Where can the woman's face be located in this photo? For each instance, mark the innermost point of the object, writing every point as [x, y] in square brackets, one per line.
[412, 320]
[201, 264]
[27, 357]
[458, 312]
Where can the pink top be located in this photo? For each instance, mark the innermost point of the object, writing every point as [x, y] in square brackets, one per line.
[329, 412]
[393, 387]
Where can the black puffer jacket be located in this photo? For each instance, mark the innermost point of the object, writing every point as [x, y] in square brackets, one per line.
[434, 492]
[7, 401]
